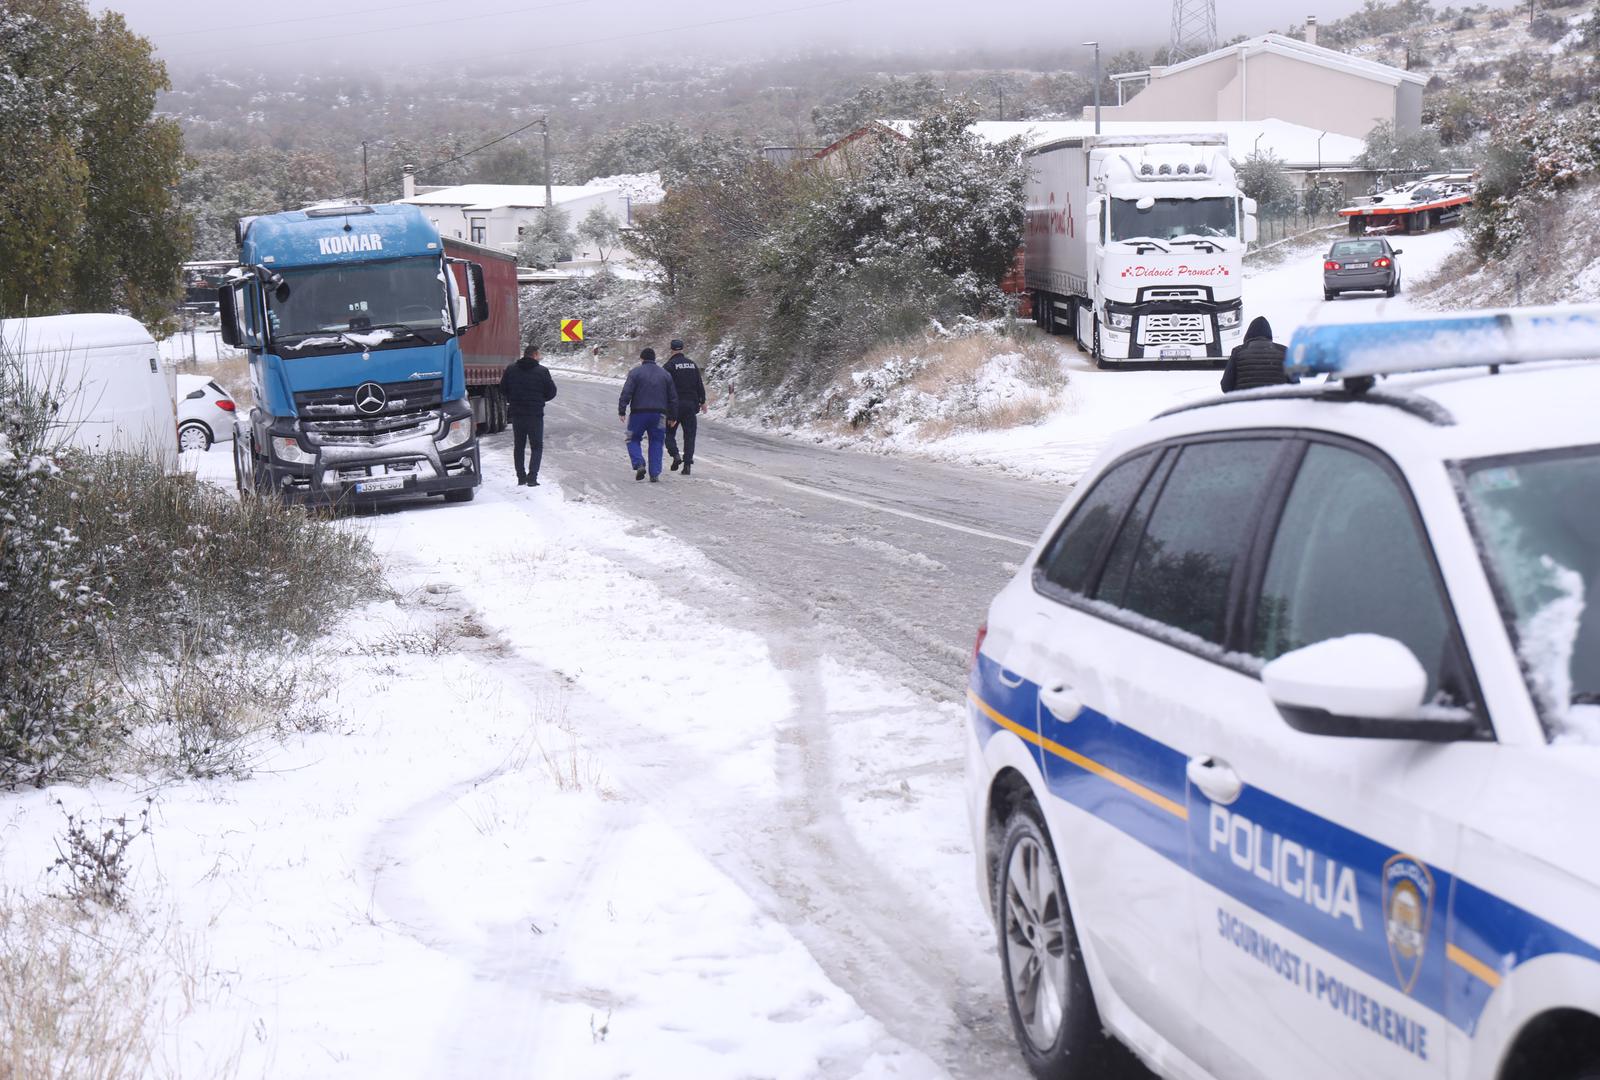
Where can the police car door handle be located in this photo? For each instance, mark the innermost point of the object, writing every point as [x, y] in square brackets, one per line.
[1215, 778]
[1009, 678]
[1062, 701]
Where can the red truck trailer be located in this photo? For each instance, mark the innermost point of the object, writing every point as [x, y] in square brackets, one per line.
[487, 348]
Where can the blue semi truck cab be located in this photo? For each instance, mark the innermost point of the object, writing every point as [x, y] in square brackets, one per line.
[352, 317]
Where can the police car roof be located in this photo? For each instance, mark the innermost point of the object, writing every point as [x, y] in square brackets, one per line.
[1456, 414]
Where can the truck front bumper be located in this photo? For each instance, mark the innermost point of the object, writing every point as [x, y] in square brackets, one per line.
[1170, 334]
[363, 472]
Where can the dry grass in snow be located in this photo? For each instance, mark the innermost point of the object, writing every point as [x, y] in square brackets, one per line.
[936, 385]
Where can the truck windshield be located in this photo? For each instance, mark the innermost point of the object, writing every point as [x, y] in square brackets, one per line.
[1537, 518]
[361, 305]
[1173, 219]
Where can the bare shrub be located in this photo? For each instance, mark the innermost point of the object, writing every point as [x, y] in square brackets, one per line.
[92, 857]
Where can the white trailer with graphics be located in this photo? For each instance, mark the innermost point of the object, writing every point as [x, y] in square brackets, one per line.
[1134, 245]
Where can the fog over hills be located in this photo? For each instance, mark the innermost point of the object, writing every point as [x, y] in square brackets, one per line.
[435, 35]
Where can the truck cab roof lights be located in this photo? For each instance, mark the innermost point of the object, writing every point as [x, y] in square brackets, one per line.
[1472, 339]
[337, 210]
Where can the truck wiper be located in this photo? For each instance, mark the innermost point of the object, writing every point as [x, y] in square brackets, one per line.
[307, 340]
[407, 330]
[1145, 241]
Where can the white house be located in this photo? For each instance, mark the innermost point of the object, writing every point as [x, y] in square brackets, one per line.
[496, 214]
[1273, 76]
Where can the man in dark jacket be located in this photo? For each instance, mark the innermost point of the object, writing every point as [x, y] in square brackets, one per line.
[1258, 361]
[691, 402]
[651, 396]
[527, 385]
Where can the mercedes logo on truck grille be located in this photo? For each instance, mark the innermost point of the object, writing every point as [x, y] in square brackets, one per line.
[370, 399]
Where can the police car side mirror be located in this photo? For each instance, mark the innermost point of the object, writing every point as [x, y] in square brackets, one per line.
[1359, 686]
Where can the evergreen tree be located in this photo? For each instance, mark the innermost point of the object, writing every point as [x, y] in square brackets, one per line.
[89, 211]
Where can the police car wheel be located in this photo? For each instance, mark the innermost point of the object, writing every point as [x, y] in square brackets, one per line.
[1047, 988]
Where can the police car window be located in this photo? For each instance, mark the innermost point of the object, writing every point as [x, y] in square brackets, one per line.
[1197, 533]
[1114, 578]
[1349, 558]
[1537, 519]
[1071, 555]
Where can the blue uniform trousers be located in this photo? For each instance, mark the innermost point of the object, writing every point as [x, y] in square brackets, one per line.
[640, 424]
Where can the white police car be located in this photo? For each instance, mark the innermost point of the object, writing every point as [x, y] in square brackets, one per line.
[1284, 752]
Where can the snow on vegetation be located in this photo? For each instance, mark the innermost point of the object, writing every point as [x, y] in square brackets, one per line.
[641, 189]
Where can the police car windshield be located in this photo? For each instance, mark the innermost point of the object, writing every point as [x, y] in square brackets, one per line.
[1170, 219]
[356, 298]
[1537, 518]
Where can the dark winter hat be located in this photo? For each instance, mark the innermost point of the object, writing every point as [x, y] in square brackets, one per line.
[676, 344]
[647, 355]
[1259, 328]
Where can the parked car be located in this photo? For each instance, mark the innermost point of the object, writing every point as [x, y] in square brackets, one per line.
[205, 413]
[1360, 265]
[1283, 749]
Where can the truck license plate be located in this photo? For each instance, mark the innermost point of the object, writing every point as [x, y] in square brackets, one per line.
[388, 483]
[1175, 353]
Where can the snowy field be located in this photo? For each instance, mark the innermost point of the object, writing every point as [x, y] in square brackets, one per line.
[1099, 403]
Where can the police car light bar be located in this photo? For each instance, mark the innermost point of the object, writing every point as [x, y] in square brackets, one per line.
[1471, 339]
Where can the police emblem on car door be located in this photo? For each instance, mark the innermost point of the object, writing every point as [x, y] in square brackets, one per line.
[1407, 912]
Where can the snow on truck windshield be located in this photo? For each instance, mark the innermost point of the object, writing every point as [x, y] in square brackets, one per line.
[1537, 517]
[1173, 219]
[403, 296]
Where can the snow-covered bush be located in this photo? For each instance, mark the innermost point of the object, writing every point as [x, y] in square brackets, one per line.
[613, 310]
[51, 604]
[1531, 158]
[145, 611]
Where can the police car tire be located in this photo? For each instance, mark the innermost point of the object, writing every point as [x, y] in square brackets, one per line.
[1078, 1049]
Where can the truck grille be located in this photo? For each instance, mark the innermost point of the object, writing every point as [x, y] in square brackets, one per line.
[410, 409]
[1176, 293]
[1186, 328]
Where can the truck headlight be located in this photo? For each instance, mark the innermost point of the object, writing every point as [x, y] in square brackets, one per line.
[1228, 319]
[458, 432]
[1120, 320]
[287, 448]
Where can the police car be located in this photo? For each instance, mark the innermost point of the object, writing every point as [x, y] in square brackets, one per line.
[1284, 743]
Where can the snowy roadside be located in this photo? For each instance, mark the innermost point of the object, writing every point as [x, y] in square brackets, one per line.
[555, 817]
[1097, 404]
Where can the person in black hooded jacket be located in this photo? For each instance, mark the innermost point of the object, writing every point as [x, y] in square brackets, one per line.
[527, 385]
[1258, 361]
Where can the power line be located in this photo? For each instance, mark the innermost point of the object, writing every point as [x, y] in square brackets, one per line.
[367, 32]
[459, 157]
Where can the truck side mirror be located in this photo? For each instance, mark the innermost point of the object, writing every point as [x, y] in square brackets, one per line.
[229, 314]
[479, 294]
[1251, 230]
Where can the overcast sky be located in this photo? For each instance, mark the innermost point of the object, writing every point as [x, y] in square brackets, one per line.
[443, 33]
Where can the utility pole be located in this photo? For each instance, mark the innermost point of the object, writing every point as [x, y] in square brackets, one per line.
[366, 194]
[1000, 89]
[544, 130]
[1096, 46]
[1194, 29]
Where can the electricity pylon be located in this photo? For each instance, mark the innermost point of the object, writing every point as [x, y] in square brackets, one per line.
[1194, 29]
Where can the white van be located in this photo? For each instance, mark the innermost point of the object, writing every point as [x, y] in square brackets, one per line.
[117, 395]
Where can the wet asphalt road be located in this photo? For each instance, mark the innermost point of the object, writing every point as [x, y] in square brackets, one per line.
[900, 554]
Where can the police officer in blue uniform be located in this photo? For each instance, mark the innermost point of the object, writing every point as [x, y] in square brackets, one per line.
[691, 402]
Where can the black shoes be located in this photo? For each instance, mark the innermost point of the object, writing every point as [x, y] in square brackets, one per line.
[686, 465]
[675, 463]
[521, 480]
[638, 474]
[655, 479]
[533, 481]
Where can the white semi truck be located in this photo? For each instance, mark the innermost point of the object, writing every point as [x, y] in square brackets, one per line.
[1134, 246]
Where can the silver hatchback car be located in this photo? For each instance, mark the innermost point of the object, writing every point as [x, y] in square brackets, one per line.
[1365, 264]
